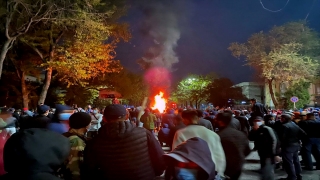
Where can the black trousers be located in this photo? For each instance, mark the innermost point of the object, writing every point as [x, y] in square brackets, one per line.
[267, 168]
[291, 162]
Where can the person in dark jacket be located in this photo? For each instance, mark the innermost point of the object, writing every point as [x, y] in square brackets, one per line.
[290, 137]
[41, 118]
[167, 117]
[204, 122]
[244, 123]
[235, 123]
[235, 145]
[311, 144]
[265, 142]
[190, 160]
[164, 135]
[16, 114]
[178, 124]
[269, 120]
[257, 109]
[122, 151]
[34, 154]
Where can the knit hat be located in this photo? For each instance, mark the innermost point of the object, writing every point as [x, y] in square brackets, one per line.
[43, 109]
[114, 112]
[79, 120]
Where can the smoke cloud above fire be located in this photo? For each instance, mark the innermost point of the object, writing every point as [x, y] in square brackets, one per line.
[161, 19]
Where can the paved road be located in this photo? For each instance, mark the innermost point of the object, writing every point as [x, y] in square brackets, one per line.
[250, 170]
[251, 167]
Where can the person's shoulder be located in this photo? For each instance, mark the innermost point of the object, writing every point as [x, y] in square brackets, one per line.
[206, 121]
[139, 130]
[230, 132]
[77, 143]
[302, 123]
[181, 130]
[267, 128]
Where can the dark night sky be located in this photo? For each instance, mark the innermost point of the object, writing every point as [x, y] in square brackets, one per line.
[209, 26]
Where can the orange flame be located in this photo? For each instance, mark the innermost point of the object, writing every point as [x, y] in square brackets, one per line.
[160, 102]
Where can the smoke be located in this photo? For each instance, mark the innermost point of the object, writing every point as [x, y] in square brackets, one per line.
[160, 24]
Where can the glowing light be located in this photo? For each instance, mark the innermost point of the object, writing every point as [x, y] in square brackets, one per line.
[160, 102]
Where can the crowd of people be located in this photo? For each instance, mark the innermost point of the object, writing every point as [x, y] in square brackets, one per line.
[72, 143]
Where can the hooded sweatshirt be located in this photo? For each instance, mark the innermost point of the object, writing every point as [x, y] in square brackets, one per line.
[35, 154]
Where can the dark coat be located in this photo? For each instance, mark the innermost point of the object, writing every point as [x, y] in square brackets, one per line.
[164, 134]
[168, 119]
[311, 127]
[235, 124]
[258, 109]
[205, 123]
[236, 148]
[123, 151]
[173, 131]
[244, 124]
[35, 154]
[291, 135]
[197, 151]
[265, 141]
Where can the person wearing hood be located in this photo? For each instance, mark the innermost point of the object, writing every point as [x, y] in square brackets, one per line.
[34, 154]
[59, 122]
[190, 160]
[79, 123]
[122, 151]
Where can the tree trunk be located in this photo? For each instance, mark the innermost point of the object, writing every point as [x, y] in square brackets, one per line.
[45, 86]
[24, 90]
[3, 53]
[274, 100]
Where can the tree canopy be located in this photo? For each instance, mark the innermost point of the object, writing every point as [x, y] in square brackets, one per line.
[75, 40]
[287, 53]
[192, 89]
[299, 90]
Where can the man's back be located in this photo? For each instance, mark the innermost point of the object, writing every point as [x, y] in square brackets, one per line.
[259, 109]
[291, 134]
[236, 147]
[148, 120]
[235, 124]
[123, 151]
[210, 137]
[311, 127]
[244, 123]
[205, 123]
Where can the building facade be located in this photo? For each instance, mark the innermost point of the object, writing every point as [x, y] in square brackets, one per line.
[253, 90]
